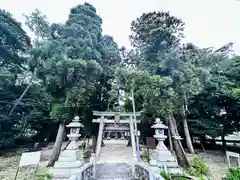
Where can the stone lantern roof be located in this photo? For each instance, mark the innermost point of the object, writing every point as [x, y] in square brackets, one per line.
[75, 123]
[158, 125]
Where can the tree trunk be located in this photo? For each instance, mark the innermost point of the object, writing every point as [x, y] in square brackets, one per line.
[57, 146]
[180, 154]
[213, 141]
[170, 140]
[224, 144]
[59, 139]
[88, 139]
[65, 147]
[203, 141]
[23, 94]
[185, 126]
[187, 136]
[175, 127]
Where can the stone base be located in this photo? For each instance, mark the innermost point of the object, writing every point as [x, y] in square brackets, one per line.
[170, 167]
[163, 160]
[163, 155]
[66, 166]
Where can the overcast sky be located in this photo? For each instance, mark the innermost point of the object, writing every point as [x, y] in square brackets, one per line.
[209, 23]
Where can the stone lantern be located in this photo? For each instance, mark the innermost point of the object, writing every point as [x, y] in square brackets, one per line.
[159, 134]
[162, 158]
[74, 126]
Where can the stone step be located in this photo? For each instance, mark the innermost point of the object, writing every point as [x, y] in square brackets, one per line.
[64, 173]
[169, 164]
[67, 159]
[175, 170]
[67, 164]
[113, 170]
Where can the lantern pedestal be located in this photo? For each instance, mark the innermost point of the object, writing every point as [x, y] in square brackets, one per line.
[73, 139]
[162, 159]
[161, 153]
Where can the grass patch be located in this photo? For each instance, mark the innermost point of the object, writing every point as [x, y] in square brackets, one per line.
[8, 168]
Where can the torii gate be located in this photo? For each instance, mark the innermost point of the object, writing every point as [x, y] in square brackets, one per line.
[127, 118]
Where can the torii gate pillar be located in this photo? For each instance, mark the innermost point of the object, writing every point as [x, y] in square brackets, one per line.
[100, 135]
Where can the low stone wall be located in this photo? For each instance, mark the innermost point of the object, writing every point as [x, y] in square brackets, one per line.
[140, 171]
[143, 171]
[87, 171]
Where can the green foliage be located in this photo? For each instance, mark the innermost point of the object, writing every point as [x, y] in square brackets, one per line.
[145, 156]
[155, 32]
[233, 174]
[236, 93]
[198, 168]
[82, 33]
[87, 153]
[165, 175]
[38, 23]
[14, 43]
[46, 176]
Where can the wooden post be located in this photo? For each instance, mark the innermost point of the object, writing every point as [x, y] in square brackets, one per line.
[16, 173]
[35, 172]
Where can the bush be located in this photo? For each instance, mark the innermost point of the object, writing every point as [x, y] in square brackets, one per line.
[167, 176]
[198, 168]
[46, 176]
[87, 153]
[233, 174]
[145, 156]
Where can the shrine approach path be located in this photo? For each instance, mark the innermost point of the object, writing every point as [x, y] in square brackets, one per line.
[115, 151]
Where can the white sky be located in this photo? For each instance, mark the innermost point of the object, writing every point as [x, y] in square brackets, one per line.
[208, 22]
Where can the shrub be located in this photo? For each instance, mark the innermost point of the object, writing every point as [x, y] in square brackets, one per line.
[145, 156]
[44, 177]
[198, 168]
[233, 174]
[87, 153]
[165, 175]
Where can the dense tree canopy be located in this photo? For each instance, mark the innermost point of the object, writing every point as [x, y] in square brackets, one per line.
[14, 44]
[70, 68]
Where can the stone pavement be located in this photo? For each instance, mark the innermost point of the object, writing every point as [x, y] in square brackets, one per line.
[114, 171]
[115, 151]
